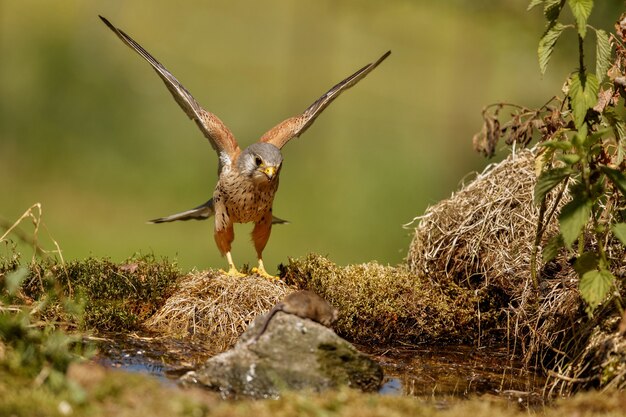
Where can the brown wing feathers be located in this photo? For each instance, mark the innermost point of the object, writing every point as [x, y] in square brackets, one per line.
[211, 126]
[280, 134]
[214, 129]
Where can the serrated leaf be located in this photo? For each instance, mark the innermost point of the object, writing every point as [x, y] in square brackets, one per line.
[551, 249]
[603, 54]
[546, 45]
[617, 178]
[583, 93]
[533, 4]
[586, 262]
[557, 144]
[570, 158]
[617, 123]
[595, 285]
[548, 180]
[542, 160]
[552, 9]
[595, 137]
[574, 215]
[581, 9]
[619, 130]
[619, 230]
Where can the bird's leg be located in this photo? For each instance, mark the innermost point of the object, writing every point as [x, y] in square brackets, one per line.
[224, 236]
[260, 236]
[232, 269]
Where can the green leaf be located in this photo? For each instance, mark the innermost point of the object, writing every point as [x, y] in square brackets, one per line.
[583, 93]
[581, 9]
[619, 130]
[551, 249]
[548, 180]
[552, 9]
[534, 3]
[595, 137]
[574, 215]
[570, 158]
[603, 54]
[617, 124]
[617, 177]
[586, 262]
[595, 285]
[546, 45]
[557, 144]
[619, 230]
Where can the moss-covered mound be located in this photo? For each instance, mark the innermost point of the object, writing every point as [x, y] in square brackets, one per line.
[386, 304]
[116, 297]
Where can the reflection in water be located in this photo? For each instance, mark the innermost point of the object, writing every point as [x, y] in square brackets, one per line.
[458, 371]
[433, 372]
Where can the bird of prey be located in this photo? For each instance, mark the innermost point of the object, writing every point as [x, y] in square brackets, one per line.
[247, 179]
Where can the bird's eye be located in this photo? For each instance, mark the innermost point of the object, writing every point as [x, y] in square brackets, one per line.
[258, 161]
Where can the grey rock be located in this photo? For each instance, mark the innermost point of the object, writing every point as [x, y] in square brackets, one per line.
[293, 354]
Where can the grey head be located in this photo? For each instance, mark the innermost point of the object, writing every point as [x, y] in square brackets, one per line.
[261, 162]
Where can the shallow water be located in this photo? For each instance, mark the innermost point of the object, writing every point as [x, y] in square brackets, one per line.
[458, 371]
[434, 372]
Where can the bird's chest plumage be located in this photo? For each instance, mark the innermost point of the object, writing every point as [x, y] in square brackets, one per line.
[242, 199]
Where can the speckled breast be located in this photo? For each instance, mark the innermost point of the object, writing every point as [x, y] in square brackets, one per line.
[244, 200]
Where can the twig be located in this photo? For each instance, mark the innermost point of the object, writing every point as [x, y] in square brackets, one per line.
[570, 379]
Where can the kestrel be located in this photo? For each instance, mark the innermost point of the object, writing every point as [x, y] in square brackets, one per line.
[248, 179]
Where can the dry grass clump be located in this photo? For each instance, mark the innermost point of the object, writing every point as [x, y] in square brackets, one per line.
[483, 234]
[600, 362]
[385, 304]
[483, 237]
[216, 306]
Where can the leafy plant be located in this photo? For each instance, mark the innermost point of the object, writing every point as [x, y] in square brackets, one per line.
[32, 345]
[581, 149]
[34, 348]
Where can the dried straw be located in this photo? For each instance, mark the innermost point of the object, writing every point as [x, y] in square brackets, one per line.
[483, 237]
[485, 232]
[215, 306]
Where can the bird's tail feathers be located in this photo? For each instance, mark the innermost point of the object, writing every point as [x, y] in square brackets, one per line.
[201, 212]
[277, 220]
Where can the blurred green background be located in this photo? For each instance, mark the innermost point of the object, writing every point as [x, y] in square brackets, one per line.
[89, 130]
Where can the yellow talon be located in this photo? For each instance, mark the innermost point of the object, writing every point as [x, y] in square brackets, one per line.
[232, 269]
[260, 271]
[233, 272]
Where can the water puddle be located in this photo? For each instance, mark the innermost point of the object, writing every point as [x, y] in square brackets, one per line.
[164, 359]
[458, 371]
[432, 372]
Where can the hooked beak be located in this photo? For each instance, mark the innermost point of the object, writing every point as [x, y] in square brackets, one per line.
[270, 171]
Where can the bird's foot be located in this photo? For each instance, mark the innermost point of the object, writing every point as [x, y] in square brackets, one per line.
[232, 269]
[260, 271]
[233, 272]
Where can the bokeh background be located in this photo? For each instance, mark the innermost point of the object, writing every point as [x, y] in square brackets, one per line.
[88, 130]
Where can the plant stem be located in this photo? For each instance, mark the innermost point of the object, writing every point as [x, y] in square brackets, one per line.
[581, 56]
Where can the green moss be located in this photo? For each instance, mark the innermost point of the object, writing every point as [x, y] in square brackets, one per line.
[344, 365]
[114, 296]
[387, 304]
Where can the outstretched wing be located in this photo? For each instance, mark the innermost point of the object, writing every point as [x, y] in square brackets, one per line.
[293, 127]
[211, 126]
